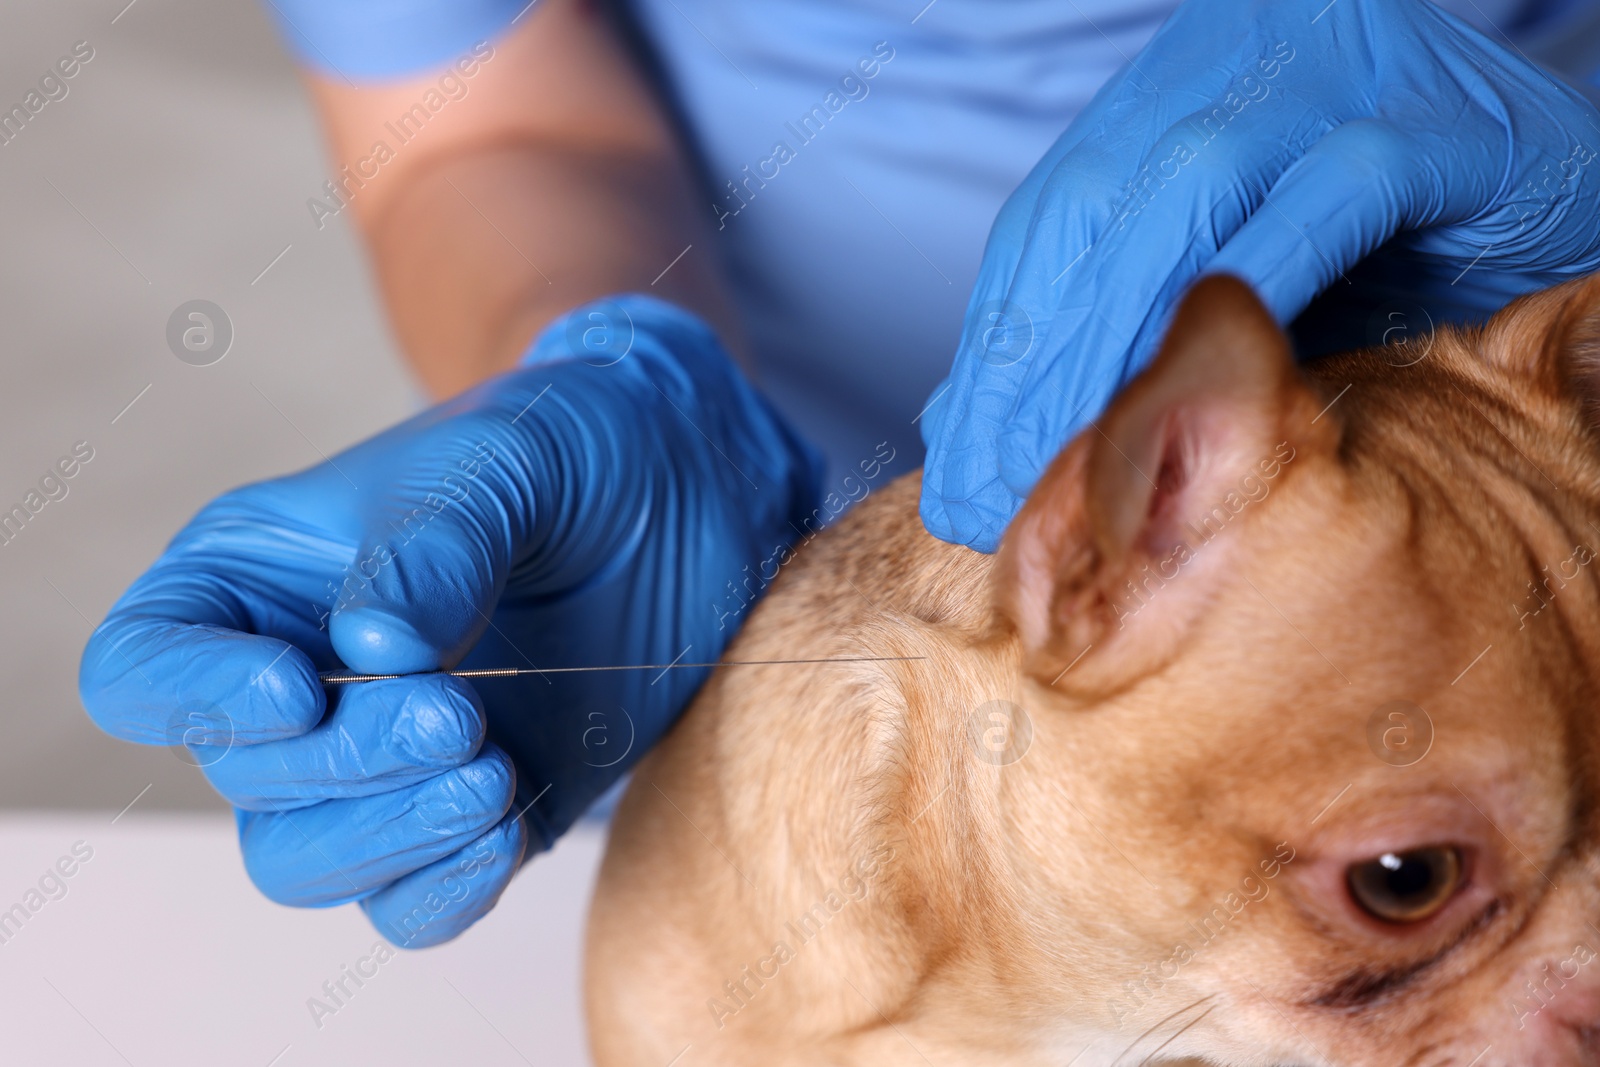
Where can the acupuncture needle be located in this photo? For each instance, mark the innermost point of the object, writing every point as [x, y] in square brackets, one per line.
[350, 677]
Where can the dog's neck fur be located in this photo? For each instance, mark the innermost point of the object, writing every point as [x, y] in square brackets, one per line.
[744, 829]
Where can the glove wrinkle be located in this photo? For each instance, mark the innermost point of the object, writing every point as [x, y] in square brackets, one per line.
[1386, 136]
[573, 512]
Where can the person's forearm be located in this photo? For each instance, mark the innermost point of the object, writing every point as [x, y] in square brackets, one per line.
[502, 216]
[485, 249]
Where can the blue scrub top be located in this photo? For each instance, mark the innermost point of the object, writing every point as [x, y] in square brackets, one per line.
[856, 152]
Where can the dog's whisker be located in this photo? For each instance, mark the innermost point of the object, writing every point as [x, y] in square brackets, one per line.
[1185, 1028]
[1159, 1023]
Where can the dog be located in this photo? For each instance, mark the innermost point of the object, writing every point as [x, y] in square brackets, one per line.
[1269, 736]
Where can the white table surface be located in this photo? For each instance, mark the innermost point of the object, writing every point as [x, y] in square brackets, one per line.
[161, 953]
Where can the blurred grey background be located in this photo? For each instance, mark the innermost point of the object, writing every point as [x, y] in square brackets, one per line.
[177, 167]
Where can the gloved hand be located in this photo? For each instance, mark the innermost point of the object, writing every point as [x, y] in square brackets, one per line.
[590, 509]
[1282, 141]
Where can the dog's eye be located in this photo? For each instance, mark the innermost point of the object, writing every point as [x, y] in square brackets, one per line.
[1406, 887]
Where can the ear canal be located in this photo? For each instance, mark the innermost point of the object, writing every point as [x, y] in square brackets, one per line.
[1218, 386]
[1138, 498]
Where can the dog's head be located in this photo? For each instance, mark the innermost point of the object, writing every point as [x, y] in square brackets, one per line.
[1312, 659]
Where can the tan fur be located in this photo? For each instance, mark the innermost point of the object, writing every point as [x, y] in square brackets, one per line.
[1175, 753]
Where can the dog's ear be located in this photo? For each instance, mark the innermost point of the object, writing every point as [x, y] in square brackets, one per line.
[1109, 562]
[1552, 338]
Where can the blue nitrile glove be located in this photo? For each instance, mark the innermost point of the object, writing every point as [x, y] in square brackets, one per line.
[1282, 141]
[586, 510]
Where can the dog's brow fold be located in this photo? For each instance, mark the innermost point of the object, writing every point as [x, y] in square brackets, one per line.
[1362, 989]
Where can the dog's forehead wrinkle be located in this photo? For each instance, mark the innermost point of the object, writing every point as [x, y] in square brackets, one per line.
[1496, 482]
[1450, 424]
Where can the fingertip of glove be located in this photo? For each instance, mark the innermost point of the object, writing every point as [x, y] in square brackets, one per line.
[374, 639]
[441, 723]
[935, 518]
[1023, 458]
[491, 776]
[442, 901]
[288, 681]
[202, 681]
[93, 679]
[960, 522]
[509, 837]
[262, 849]
[930, 423]
[105, 672]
